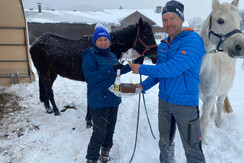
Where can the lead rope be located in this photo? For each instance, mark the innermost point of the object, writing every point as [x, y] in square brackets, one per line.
[137, 124]
[148, 121]
[150, 56]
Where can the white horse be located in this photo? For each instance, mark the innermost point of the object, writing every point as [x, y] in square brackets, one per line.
[221, 31]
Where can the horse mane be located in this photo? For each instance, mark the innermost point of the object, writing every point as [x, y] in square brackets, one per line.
[124, 35]
[204, 32]
[122, 40]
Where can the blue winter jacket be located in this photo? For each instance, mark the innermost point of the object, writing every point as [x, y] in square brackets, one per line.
[177, 69]
[98, 69]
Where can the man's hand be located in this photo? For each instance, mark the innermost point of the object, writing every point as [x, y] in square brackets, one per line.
[135, 68]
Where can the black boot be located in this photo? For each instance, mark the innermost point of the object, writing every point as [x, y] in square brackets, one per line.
[104, 157]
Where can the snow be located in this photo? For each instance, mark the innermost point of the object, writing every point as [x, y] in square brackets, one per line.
[108, 16]
[63, 139]
[85, 17]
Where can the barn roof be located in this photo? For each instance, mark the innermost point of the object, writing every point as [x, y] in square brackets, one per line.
[108, 16]
[132, 18]
[84, 17]
[149, 13]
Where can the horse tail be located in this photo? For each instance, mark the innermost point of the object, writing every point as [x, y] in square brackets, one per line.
[37, 53]
[36, 58]
[227, 106]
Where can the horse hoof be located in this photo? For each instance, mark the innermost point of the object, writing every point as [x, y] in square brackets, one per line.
[218, 123]
[57, 113]
[49, 110]
[88, 124]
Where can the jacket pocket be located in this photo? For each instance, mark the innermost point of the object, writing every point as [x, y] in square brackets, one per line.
[176, 87]
[98, 95]
[194, 132]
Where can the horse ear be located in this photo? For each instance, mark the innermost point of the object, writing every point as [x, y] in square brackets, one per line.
[140, 22]
[215, 4]
[235, 3]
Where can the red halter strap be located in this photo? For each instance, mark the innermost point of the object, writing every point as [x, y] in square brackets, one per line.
[139, 39]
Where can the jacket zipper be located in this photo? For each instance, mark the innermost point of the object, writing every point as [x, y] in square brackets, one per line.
[109, 59]
[167, 54]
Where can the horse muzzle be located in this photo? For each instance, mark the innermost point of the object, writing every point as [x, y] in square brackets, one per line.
[154, 56]
[236, 52]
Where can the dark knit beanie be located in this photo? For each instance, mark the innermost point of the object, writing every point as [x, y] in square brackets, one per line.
[174, 7]
[99, 32]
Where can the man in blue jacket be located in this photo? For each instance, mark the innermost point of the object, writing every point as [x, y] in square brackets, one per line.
[177, 72]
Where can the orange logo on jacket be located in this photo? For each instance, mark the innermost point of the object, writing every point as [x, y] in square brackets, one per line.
[183, 52]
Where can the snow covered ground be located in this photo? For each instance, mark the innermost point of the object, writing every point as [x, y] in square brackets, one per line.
[31, 135]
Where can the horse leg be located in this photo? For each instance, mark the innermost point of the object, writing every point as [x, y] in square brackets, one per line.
[208, 103]
[220, 103]
[41, 91]
[212, 111]
[43, 84]
[88, 115]
[51, 98]
[88, 118]
[53, 76]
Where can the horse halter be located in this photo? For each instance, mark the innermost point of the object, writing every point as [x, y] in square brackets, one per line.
[221, 37]
[147, 47]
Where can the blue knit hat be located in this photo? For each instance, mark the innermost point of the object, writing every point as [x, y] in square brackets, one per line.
[174, 7]
[99, 32]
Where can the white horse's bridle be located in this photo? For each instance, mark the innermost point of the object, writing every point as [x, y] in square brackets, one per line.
[221, 37]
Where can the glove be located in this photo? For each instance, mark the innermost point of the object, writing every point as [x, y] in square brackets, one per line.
[118, 66]
[139, 60]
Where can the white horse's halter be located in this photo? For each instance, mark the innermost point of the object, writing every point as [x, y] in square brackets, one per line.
[221, 37]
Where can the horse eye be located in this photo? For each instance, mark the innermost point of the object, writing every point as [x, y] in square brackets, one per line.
[220, 21]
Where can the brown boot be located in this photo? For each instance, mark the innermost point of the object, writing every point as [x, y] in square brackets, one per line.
[104, 158]
[91, 161]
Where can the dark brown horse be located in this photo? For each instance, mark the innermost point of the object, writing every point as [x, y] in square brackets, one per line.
[54, 55]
